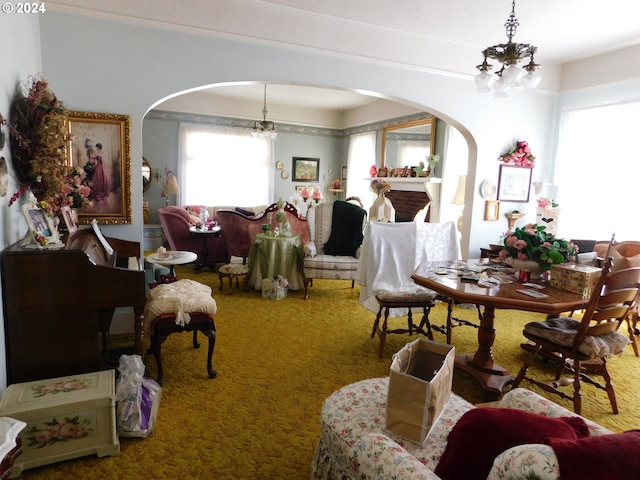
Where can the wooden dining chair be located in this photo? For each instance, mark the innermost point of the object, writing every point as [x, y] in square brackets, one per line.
[595, 337]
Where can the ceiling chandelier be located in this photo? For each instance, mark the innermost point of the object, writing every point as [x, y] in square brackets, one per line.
[265, 128]
[509, 54]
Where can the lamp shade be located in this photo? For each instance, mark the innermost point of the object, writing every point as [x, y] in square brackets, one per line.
[171, 186]
[458, 198]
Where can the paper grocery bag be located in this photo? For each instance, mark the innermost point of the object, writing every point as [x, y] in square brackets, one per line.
[419, 388]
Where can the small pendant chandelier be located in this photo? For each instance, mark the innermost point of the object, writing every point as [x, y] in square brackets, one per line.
[265, 128]
[509, 55]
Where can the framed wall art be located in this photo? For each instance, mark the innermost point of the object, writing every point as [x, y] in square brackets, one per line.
[491, 210]
[100, 146]
[514, 183]
[306, 169]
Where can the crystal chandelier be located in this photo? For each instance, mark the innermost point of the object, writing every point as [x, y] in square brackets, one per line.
[509, 55]
[265, 128]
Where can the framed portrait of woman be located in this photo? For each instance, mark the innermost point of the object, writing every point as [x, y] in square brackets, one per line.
[100, 147]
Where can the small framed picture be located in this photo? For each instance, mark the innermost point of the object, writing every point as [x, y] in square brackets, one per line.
[514, 183]
[41, 226]
[69, 221]
[306, 169]
[491, 210]
[343, 173]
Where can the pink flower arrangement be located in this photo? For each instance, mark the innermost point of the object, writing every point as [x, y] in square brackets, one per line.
[520, 155]
[546, 203]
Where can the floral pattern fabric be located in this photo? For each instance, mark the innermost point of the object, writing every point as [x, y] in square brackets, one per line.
[531, 462]
[354, 444]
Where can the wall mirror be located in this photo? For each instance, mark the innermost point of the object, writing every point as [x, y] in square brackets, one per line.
[146, 174]
[409, 143]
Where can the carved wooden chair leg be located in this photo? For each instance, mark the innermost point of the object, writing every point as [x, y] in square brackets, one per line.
[211, 334]
[383, 332]
[376, 323]
[156, 344]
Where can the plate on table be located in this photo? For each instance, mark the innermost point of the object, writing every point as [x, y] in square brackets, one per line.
[164, 256]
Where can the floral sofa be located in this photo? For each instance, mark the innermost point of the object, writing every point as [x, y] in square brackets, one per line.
[354, 443]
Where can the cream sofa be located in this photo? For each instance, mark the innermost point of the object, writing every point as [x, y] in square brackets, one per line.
[354, 444]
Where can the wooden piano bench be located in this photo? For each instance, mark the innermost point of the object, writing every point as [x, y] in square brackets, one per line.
[165, 324]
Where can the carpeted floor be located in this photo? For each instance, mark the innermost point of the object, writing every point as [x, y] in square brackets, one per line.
[277, 361]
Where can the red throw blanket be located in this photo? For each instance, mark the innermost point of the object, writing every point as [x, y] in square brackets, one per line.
[603, 457]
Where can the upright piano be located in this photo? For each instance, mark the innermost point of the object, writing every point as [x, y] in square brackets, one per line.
[58, 305]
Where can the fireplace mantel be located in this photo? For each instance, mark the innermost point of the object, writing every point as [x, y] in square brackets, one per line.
[430, 185]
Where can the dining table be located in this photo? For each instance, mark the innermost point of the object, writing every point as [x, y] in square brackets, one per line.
[493, 286]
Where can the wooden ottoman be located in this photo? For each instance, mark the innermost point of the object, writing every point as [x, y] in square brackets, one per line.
[66, 417]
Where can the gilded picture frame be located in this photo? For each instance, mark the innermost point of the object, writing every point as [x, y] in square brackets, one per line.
[100, 147]
[491, 210]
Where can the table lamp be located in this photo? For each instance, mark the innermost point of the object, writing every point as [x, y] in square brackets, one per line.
[171, 186]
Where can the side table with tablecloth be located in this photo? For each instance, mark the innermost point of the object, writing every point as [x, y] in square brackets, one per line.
[273, 255]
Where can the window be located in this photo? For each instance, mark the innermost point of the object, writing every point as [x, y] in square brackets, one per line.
[598, 172]
[224, 166]
[362, 154]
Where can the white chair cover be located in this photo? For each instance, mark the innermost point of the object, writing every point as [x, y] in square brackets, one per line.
[391, 252]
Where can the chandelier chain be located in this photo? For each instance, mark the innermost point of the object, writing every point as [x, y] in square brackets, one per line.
[512, 22]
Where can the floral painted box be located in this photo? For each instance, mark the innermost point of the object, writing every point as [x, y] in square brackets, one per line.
[273, 290]
[67, 417]
[576, 278]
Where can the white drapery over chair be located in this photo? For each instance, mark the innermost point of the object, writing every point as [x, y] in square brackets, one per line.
[390, 254]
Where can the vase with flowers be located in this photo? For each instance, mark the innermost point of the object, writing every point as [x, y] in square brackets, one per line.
[532, 243]
[39, 139]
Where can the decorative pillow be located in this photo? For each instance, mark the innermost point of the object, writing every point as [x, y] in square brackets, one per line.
[482, 434]
[194, 220]
[602, 456]
[529, 461]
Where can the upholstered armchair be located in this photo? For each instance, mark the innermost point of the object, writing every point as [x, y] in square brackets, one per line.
[175, 223]
[338, 259]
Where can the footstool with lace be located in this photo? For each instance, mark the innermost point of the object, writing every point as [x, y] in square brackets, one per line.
[181, 306]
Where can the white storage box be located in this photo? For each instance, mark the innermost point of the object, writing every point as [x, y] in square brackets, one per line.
[67, 417]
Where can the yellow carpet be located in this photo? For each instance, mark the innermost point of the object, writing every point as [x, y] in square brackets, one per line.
[277, 361]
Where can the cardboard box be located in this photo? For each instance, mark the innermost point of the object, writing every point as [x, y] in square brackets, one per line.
[576, 278]
[67, 417]
[272, 290]
[420, 381]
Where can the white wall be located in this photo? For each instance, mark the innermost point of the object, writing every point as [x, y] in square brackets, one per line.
[103, 66]
[19, 60]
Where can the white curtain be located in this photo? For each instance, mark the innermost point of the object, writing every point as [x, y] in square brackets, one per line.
[361, 156]
[224, 166]
[598, 173]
